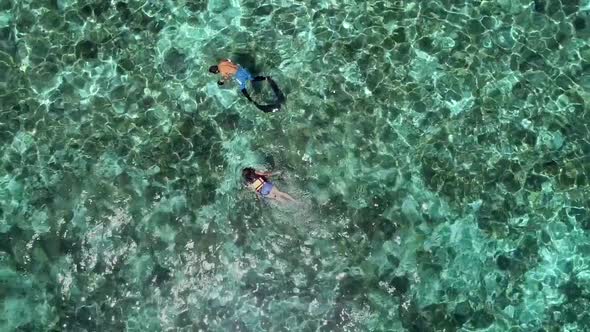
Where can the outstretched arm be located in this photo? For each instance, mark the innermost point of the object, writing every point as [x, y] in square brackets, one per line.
[224, 78]
[267, 173]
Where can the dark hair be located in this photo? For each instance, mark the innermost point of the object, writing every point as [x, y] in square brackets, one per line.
[214, 69]
[249, 174]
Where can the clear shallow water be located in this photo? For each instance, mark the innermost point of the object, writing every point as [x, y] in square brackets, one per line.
[440, 150]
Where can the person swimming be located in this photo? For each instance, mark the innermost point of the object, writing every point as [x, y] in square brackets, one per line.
[259, 183]
[228, 69]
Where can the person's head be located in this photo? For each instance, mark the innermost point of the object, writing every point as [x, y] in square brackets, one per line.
[214, 69]
[249, 174]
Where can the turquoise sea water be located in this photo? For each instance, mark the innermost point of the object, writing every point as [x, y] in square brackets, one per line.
[440, 151]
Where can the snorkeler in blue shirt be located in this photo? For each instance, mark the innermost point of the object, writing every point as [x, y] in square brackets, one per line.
[227, 69]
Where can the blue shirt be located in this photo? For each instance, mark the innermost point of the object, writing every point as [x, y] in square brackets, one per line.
[243, 76]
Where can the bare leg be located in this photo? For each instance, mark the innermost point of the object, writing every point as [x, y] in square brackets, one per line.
[280, 199]
[288, 197]
[280, 196]
[273, 195]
